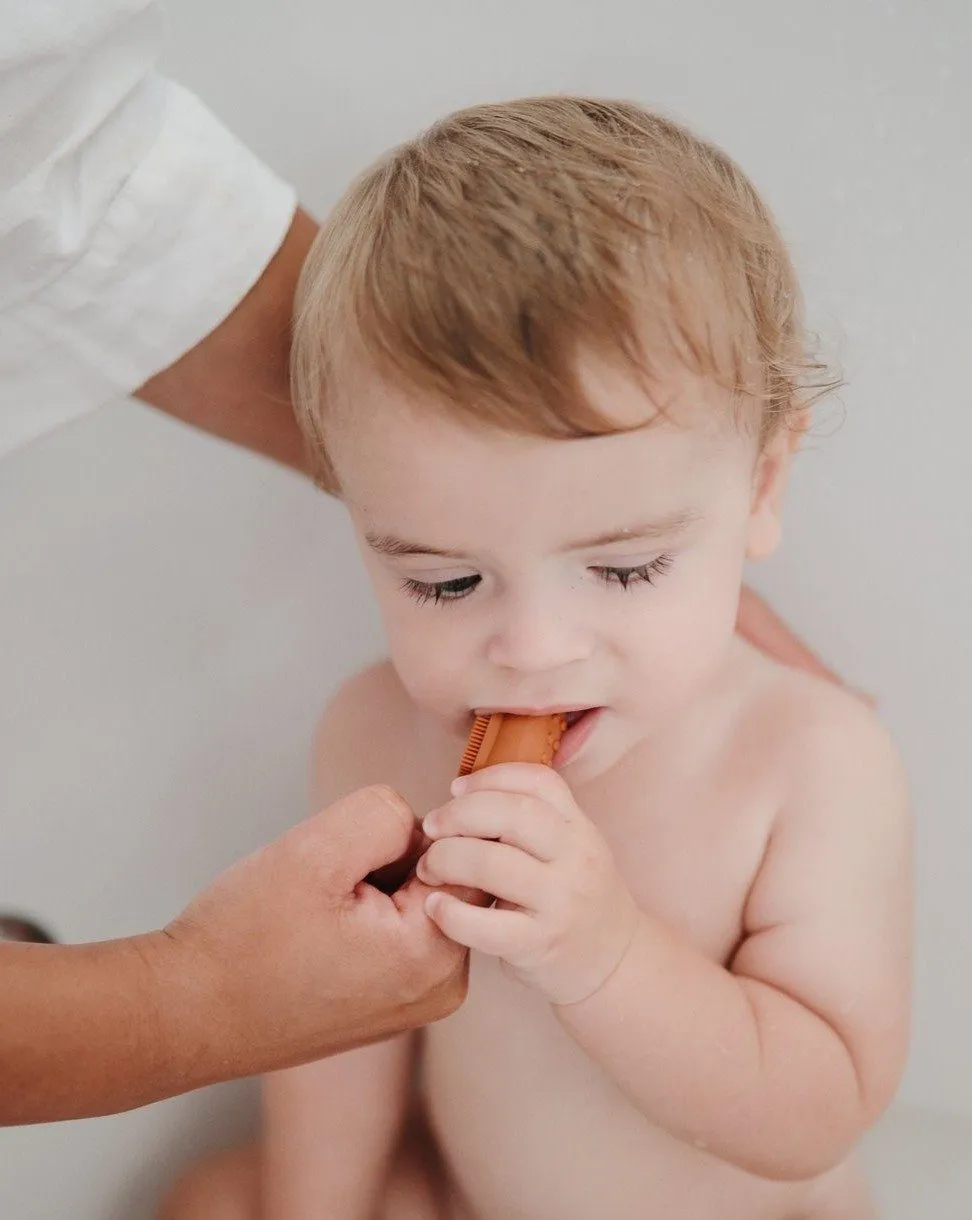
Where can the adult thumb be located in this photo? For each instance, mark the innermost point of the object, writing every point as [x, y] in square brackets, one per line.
[359, 834]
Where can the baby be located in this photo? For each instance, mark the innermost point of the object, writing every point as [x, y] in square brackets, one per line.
[550, 355]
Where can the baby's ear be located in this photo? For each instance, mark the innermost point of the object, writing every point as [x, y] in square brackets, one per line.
[769, 483]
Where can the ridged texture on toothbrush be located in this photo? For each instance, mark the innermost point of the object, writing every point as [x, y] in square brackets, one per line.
[502, 737]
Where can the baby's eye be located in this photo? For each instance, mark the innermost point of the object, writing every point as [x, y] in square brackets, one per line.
[440, 590]
[645, 572]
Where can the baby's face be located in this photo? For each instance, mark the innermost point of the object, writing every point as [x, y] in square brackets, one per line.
[531, 575]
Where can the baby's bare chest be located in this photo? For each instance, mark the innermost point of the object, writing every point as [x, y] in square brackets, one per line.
[502, 1075]
[691, 864]
[529, 1126]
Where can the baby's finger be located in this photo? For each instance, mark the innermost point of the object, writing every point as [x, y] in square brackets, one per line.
[503, 871]
[499, 933]
[515, 818]
[531, 779]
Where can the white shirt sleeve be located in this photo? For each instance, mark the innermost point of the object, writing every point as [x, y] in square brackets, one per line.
[131, 221]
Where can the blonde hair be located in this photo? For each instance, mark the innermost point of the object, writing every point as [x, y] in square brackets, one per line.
[473, 263]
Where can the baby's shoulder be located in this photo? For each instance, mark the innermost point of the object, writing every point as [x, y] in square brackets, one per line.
[840, 839]
[822, 737]
[370, 733]
[374, 695]
[359, 733]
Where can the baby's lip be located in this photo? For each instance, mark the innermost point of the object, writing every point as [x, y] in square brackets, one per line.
[559, 710]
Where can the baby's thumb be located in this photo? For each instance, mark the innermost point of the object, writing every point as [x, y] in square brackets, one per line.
[362, 832]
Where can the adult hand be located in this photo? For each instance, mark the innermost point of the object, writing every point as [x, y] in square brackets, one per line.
[290, 955]
[294, 954]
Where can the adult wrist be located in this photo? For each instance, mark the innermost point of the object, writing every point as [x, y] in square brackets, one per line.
[183, 1026]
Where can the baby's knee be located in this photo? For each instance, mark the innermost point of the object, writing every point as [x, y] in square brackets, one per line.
[225, 1186]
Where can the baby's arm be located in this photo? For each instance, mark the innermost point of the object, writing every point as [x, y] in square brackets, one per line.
[330, 1128]
[779, 1063]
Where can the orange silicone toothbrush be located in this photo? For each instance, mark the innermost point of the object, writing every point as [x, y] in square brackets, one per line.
[503, 737]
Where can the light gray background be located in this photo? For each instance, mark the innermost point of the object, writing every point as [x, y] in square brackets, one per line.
[173, 613]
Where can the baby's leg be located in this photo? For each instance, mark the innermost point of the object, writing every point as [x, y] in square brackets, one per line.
[225, 1186]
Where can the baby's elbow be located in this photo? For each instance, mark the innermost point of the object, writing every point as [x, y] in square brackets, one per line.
[802, 1166]
[797, 1153]
[805, 1137]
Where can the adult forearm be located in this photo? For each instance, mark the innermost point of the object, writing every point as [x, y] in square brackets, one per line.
[726, 1064]
[762, 626]
[235, 383]
[96, 1029]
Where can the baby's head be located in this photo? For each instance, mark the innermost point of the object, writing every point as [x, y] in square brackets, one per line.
[551, 356]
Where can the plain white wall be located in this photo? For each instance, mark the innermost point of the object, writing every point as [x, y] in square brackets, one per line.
[173, 613]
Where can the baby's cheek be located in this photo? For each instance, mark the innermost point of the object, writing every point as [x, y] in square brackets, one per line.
[707, 614]
[686, 649]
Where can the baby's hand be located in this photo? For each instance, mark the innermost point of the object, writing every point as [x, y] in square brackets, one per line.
[564, 916]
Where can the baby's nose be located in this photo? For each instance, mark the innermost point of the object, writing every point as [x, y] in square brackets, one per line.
[538, 643]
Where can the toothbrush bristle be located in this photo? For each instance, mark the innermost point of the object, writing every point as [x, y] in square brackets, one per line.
[477, 735]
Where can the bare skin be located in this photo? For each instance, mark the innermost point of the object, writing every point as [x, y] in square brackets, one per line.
[286, 957]
[691, 998]
[235, 383]
[502, 1082]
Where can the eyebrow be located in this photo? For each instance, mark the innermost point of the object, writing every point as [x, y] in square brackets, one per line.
[647, 531]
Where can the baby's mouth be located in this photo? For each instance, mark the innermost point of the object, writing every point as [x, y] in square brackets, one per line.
[579, 723]
[580, 726]
[571, 718]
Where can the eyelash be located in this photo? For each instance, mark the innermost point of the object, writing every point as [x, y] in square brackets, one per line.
[460, 588]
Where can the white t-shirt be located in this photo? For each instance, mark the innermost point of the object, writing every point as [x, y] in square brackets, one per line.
[131, 220]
